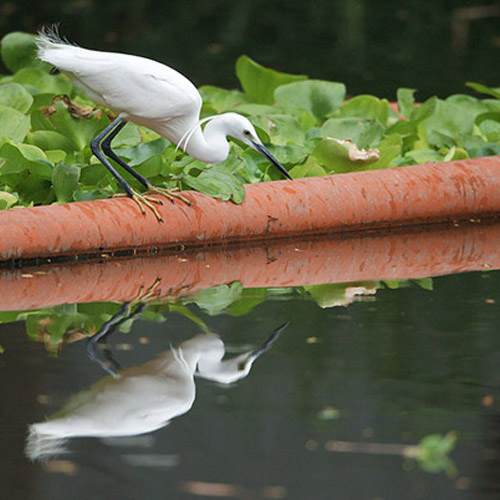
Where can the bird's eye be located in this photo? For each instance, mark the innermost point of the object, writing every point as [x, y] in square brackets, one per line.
[247, 133]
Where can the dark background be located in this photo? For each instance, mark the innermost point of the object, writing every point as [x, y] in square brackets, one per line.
[373, 47]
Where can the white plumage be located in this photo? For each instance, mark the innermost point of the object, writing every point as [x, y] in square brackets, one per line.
[151, 94]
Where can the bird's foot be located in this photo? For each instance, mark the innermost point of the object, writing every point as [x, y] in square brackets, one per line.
[171, 194]
[144, 201]
[146, 295]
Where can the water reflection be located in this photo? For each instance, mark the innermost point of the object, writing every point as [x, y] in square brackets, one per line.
[143, 398]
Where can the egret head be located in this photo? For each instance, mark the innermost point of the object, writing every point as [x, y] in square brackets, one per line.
[241, 129]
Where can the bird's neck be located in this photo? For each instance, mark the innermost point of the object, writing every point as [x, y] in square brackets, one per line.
[209, 145]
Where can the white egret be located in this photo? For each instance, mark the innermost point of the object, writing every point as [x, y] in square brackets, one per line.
[143, 398]
[151, 94]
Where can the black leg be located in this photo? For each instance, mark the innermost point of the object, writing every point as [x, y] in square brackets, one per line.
[103, 356]
[106, 148]
[95, 147]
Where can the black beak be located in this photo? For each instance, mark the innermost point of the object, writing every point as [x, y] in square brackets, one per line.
[264, 152]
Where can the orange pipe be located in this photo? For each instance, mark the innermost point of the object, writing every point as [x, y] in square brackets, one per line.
[319, 205]
[435, 250]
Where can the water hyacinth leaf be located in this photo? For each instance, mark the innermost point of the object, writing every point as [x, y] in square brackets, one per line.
[18, 50]
[483, 89]
[485, 149]
[95, 174]
[138, 154]
[366, 106]
[365, 133]
[406, 101]
[14, 125]
[14, 95]
[80, 131]
[91, 194]
[54, 156]
[215, 181]
[152, 167]
[253, 110]
[7, 200]
[219, 100]
[310, 168]
[343, 156]
[20, 156]
[455, 153]
[65, 181]
[128, 135]
[281, 129]
[317, 97]
[490, 129]
[389, 148]
[448, 121]
[287, 155]
[258, 82]
[36, 78]
[27, 172]
[424, 156]
[216, 299]
[50, 139]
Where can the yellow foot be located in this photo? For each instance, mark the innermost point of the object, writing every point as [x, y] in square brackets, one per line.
[143, 201]
[147, 295]
[171, 194]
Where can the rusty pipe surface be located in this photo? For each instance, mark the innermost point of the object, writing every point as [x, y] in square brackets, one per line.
[432, 251]
[338, 203]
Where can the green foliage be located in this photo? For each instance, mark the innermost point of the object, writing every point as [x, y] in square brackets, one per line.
[54, 324]
[18, 50]
[44, 137]
[432, 453]
[259, 83]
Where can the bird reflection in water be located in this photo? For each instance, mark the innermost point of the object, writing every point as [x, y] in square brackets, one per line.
[143, 398]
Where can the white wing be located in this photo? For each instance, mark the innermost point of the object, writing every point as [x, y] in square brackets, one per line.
[139, 89]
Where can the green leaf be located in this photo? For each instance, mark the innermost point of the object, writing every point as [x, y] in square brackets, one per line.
[433, 452]
[143, 151]
[65, 181]
[78, 131]
[50, 139]
[27, 172]
[365, 133]
[217, 299]
[483, 89]
[449, 122]
[281, 129]
[424, 156]
[215, 181]
[258, 82]
[15, 96]
[14, 125]
[406, 101]
[249, 299]
[366, 106]
[220, 100]
[317, 97]
[90, 194]
[18, 50]
[389, 149]
[43, 82]
[54, 156]
[310, 168]
[337, 156]
[7, 200]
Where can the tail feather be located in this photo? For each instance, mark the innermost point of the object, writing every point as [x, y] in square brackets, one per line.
[48, 41]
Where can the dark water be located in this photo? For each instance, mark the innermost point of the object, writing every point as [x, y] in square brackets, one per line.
[373, 47]
[325, 413]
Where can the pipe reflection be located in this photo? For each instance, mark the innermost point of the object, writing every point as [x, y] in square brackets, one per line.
[143, 398]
